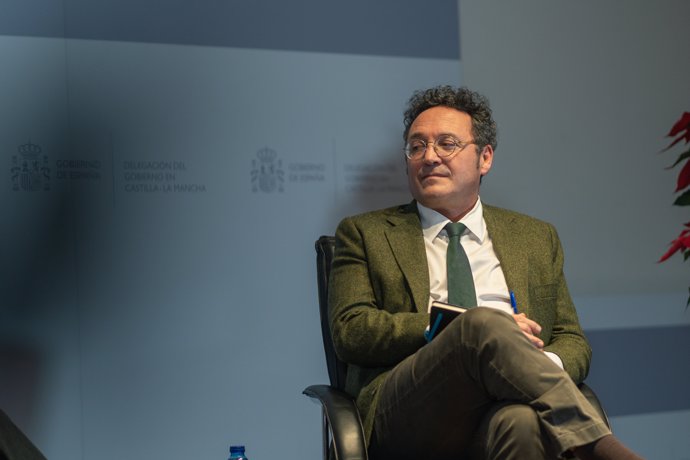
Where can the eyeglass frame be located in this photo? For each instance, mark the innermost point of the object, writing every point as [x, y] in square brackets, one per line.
[459, 146]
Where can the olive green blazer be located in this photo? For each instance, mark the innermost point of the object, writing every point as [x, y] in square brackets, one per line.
[379, 292]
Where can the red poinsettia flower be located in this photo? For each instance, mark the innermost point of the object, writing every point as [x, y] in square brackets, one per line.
[681, 243]
[681, 131]
[681, 127]
[683, 177]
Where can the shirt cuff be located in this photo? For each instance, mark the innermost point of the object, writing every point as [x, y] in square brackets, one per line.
[555, 358]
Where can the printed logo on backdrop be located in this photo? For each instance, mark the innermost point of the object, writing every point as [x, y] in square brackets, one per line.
[78, 170]
[268, 176]
[30, 170]
[374, 178]
[267, 171]
[158, 176]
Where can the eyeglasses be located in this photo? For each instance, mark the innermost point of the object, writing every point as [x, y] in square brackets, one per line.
[444, 147]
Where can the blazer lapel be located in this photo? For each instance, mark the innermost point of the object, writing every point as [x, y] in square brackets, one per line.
[407, 244]
[512, 255]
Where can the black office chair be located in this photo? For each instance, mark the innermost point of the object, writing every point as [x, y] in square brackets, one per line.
[343, 434]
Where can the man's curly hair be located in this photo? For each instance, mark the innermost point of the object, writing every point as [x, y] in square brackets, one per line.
[463, 99]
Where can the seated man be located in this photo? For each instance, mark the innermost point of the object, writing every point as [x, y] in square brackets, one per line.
[495, 384]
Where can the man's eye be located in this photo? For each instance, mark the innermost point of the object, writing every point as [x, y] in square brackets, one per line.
[417, 146]
[446, 144]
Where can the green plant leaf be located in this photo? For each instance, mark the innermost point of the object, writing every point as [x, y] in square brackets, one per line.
[683, 200]
[682, 157]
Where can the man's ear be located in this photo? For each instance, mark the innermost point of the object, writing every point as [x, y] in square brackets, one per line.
[486, 159]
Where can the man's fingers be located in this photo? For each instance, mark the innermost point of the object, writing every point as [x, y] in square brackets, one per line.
[526, 324]
[530, 328]
[536, 341]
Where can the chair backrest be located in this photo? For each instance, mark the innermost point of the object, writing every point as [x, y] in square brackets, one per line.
[337, 369]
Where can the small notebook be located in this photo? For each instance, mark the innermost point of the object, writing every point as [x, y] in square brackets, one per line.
[440, 316]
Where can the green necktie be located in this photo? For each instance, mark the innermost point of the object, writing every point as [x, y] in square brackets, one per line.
[460, 283]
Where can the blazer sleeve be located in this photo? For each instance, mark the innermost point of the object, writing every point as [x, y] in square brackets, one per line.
[372, 317]
[567, 339]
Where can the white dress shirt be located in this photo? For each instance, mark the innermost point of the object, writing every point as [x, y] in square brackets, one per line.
[489, 282]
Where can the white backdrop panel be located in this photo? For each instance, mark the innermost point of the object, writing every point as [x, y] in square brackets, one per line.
[195, 185]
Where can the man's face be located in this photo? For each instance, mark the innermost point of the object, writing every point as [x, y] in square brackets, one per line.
[448, 185]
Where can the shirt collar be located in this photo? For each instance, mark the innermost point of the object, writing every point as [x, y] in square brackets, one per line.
[433, 222]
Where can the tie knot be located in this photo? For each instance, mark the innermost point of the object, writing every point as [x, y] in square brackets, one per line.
[455, 229]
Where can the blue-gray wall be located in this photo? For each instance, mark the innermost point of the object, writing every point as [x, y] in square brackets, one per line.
[157, 279]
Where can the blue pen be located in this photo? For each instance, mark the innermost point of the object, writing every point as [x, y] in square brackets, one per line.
[513, 302]
[431, 333]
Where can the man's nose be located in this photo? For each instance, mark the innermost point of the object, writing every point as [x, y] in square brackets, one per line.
[430, 156]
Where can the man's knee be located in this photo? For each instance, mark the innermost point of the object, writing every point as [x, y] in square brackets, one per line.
[484, 315]
[479, 318]
[475, 325]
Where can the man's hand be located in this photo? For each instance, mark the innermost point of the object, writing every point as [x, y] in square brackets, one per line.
[530, 328]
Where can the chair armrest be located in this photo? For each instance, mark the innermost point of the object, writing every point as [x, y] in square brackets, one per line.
[594, 401]
[343, 418]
